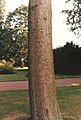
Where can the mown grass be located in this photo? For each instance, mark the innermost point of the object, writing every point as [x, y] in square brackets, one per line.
[11, 101]
[22, 74]
[63, 76]
[18, 76]
[69, 99]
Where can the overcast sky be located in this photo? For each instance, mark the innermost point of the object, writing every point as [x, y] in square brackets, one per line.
[60, 32]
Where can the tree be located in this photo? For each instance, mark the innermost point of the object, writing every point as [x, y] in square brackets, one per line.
[7, 44]
[74, 17]
[2, 6]
[2, 30]
[18, 23]
[66, 58]
[43, 101]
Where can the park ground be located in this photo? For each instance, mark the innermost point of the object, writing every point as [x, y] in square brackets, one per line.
[14, 101]
[17, 103]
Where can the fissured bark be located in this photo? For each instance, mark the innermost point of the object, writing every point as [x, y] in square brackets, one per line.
[43, 101]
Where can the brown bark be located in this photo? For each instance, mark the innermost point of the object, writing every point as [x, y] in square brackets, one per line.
[43, 102]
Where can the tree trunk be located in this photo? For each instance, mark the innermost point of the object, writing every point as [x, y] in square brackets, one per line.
[43, 101]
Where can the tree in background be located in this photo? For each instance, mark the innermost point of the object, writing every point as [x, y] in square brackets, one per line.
[74, 17]
[3, 31]
[2, 10]
[74, 20]
[68, 59]
[6, 44]
[18, 21]
[14, 36]
[43, 102]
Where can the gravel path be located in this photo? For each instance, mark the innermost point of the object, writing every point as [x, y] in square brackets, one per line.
[23, 85]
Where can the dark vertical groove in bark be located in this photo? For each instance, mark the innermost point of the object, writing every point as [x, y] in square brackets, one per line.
[43, 102]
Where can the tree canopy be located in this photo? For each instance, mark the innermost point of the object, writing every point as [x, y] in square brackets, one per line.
[2, 6]
[13, 39]
[74, 17]
[66, 58]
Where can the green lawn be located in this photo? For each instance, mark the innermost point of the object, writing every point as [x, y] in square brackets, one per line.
[21, 74]
[69, 99]
[18, 76]
[62, 76]
[11, 101]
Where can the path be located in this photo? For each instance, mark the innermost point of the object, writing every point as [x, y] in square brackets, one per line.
[68, 82]
[23, 85]
[19, 85]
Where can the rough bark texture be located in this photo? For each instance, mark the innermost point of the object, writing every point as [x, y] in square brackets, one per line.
[43, 103]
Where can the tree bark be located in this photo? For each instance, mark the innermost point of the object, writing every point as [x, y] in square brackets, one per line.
[43, 101]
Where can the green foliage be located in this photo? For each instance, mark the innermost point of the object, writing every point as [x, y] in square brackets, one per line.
[18, 21]
[68, 59]
[8, 48]
[74, 17]
[2, 7]
[79, 1]
[13, 36]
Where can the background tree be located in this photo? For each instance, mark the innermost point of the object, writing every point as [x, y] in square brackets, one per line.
[7, 44]
[18, 21]
[2, 33]
[2, 10]
[43, 102]
[74, 20]
[66, 58]
[14, 36]
[74, 17]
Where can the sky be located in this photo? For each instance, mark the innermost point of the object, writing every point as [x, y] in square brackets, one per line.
[60, 31]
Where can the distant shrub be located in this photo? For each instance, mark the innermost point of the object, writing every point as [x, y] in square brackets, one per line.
[6, 70]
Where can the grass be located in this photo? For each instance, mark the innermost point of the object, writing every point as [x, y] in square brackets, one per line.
[63, 76]
[69, 99]
[21, 74]
[18, 76]
[11, 101]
